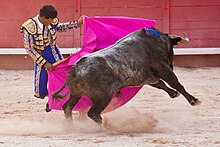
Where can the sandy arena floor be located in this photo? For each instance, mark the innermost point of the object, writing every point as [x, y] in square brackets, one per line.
[150, 119]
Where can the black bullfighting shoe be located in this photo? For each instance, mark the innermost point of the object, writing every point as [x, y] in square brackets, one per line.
[47, 109]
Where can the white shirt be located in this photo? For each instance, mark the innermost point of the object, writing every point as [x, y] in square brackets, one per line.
[39, 23]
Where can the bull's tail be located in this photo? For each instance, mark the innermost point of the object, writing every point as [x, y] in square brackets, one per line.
[57, 95]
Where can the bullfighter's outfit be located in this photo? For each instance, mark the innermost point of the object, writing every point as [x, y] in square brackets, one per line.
[40, 44]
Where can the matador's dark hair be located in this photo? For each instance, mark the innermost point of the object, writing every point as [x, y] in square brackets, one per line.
[48, 11]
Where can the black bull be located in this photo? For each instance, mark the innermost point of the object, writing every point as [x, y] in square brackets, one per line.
[135, 60]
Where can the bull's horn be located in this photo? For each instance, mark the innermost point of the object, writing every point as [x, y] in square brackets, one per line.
[185, 39]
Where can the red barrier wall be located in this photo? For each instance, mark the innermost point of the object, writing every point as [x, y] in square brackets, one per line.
[198, 18]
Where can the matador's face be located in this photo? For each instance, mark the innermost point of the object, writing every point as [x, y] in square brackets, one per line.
[46, 21]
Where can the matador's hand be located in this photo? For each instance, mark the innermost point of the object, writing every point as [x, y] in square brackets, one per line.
[48, 66]
[80, 21]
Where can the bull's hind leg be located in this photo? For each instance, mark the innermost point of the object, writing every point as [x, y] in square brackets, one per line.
[68, 106]
[161, 85]
[169, 76]
[98, 105]
[101, 97]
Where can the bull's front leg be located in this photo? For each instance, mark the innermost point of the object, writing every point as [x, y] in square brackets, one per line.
[166, 74]
[161, 85]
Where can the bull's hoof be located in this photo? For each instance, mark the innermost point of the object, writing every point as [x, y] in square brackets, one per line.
[68, 119]
[175, 94]
[195, 102]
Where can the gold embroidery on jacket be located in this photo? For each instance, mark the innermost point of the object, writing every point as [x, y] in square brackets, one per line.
[37, 84]
[40, 41]
[51, 38]
[30, 26]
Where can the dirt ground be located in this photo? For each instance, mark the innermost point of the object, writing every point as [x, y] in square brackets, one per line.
[150, 119]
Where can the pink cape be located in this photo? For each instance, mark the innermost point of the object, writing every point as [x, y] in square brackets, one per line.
[99, 33]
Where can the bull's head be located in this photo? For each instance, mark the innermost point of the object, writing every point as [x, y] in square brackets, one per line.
[167, 41]
[174, 39]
